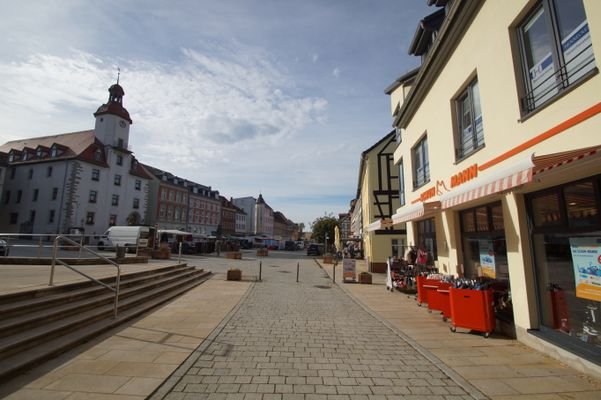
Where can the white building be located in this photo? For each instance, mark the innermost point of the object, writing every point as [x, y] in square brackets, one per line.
[247, 204]
[88, 179]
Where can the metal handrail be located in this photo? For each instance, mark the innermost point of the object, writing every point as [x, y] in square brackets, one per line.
[55, 260]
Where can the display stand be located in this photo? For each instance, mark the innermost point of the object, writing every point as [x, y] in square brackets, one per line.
[439, 299]
[472, 309]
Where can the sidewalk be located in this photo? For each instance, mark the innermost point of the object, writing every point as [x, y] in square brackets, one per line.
[499, 367]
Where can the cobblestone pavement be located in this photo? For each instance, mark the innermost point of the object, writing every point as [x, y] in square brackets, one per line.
[306, 341]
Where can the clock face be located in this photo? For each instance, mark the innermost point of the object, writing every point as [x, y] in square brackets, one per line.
[122, 124]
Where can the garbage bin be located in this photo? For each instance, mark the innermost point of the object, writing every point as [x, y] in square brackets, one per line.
[120, 252]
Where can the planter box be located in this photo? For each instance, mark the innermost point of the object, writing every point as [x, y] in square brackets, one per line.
[365, 278]
[328, 259]
[162, 253]
[234, 255]
[262, 253]
[234, 275]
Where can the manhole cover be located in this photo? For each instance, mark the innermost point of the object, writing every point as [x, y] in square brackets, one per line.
[323, 287]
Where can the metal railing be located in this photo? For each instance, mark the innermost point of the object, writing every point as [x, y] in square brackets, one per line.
[55, 260]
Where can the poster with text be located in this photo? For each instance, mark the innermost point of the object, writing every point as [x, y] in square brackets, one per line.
[586, 258]
[348, 268]
[487, 258]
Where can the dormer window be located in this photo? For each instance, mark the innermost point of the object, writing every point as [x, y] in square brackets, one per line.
[53, 152]
[11, 157]
[39, 153]
[98, 155]
[24, 156]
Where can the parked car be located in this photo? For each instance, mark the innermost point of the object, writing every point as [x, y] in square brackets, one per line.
[3, 248]
[314, 250]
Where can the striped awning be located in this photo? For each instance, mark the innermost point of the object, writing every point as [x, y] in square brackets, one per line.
[409, 213]
[550, 161]
[518, 173]
[379, 224]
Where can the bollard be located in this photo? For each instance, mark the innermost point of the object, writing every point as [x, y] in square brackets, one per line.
[297, 268]
[260, 268]
[334, 273]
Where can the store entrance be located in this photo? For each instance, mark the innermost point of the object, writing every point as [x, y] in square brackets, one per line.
[485, 255]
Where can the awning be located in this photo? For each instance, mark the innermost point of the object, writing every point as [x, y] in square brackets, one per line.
[408, 213]
[379, 224]
[518, 173]
[555, 160]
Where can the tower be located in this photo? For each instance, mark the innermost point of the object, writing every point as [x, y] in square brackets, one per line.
[112, 120]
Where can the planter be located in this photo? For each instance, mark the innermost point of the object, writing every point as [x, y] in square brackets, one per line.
[365, 278]
[328, 259]
[162, 253]
[234, 274]
[262, 253]
[234, 255]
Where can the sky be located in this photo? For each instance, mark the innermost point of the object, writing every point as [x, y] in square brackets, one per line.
[277, 97]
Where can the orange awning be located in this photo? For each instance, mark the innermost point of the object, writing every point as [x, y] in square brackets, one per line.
[409, 213]
[379, 224]
[550, 161]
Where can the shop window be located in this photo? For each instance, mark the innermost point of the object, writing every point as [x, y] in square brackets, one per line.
[546, 210]
[421, 163]
[556, 50]
[470, 135]
[566, 257]
[426, 239]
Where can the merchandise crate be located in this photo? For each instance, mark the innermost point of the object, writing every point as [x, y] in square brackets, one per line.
[424, 287]
[438, 300]
[472, 309]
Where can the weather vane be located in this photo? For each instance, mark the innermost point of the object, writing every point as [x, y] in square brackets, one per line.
[118, 73]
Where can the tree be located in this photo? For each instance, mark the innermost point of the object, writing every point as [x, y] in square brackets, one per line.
[322, 226]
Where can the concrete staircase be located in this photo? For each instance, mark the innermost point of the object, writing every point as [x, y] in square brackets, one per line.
[37, 325]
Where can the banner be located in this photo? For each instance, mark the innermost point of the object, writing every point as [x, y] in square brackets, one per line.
[348, 268]
[586, 259]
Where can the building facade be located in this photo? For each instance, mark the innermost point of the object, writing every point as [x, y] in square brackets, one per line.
[228, 217]
[87, 180]
[505, 182]
[263, 218]
[248, 205]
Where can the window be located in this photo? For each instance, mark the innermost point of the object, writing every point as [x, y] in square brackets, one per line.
[162, 211]
[117, 180]
[51, 216]
[32, 216]
[54, 193]
[14, 217]
[401, 184]
[164, 194]
[556, 50]
[95, 174]
[421, 164]
[470, 136]
[112, 219]
[98, 155]
[49, 172]
[136, 203]
[90, 218]
[119, 160]
[115, 200]
[92, 197]
[138, 184]
[6, 197]
[19, 194]
[30, 174]
[120, 143]
[35, 194]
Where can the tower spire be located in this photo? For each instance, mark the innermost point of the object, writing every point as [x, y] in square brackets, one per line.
[118, 74]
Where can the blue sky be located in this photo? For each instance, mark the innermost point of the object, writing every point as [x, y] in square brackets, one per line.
[246, 96]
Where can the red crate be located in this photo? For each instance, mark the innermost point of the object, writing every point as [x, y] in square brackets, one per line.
[472, 309]
[439, 300]
[424, 287]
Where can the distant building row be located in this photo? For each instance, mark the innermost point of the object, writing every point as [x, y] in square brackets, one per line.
[91, 180]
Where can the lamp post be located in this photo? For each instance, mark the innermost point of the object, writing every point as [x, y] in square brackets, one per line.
[326, 245]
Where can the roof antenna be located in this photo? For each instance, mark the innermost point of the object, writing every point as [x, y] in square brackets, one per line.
[118, 73]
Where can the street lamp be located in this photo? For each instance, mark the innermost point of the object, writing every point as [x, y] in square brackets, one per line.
[326, 245]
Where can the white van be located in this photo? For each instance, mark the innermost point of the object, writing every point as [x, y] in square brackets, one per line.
[129, 237]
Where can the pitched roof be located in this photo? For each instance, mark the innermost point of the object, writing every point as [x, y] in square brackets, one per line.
[75, 142]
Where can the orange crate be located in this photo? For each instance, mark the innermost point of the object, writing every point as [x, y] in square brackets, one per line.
[472, 309]
[439, 300]
[424, 287]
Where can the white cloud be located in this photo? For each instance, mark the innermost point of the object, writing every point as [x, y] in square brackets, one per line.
[336, 72]
[315, 57]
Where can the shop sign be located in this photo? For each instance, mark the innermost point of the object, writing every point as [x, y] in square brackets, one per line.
[487, 258]
[586, 259]
[348, 268]
[464, 176]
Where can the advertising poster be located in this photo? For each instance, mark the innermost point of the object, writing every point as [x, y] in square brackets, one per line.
[348, 268]
[586, 258]
[487, 258]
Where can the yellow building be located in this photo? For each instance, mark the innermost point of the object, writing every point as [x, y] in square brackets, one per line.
[500, 159]
[378, 194]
